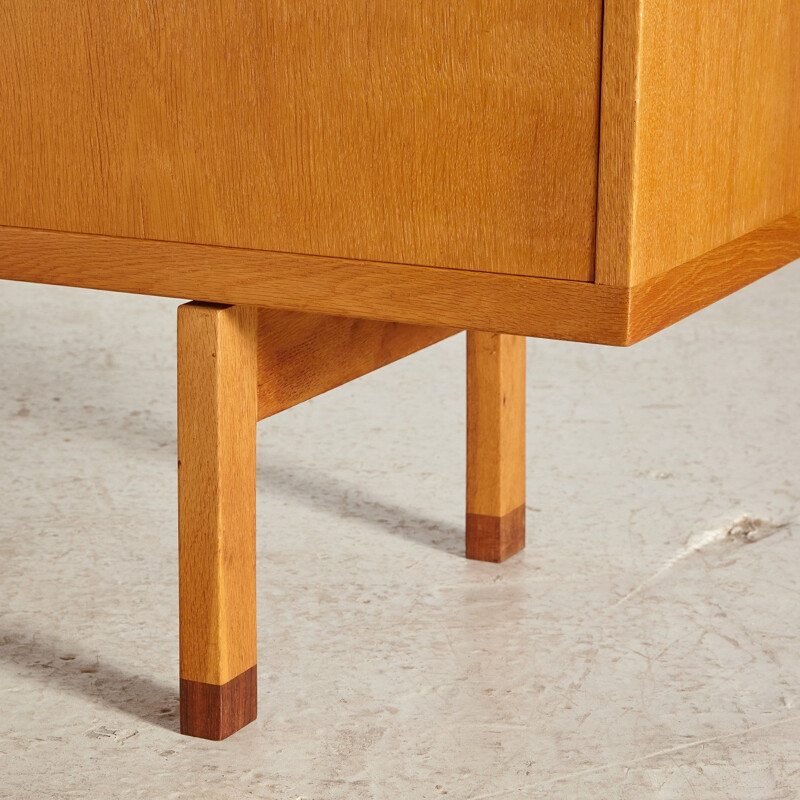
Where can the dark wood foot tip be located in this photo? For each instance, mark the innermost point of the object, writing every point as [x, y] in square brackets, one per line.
[215, 712]
[495, 538]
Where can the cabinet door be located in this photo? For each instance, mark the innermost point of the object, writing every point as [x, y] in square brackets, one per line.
[422, 132]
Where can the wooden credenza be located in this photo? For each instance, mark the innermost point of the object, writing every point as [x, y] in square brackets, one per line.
[356, 180]
[583, 170]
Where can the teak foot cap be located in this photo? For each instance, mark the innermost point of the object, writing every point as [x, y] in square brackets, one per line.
[491, 538]
[215, 712]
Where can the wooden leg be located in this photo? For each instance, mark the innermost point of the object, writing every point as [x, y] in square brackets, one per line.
[217, 416]
[495, 445]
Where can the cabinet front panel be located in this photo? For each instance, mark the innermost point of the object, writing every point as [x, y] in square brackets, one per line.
[459, 135]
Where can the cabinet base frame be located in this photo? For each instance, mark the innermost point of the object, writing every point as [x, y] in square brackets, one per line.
[418, 295]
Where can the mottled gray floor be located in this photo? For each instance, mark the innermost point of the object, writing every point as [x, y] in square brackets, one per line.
[641, 647]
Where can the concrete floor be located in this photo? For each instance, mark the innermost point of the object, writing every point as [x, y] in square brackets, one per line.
[643, 646]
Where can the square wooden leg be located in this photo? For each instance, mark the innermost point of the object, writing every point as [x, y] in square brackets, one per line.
[495, 445]
[217, 416]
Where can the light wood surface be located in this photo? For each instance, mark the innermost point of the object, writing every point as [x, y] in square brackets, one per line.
[459, 135]
[495, 445]
[540, 307]
[700, 131]
[217, 407]
[419, 295]
[617, 151]
[674, 295]
[303, 355]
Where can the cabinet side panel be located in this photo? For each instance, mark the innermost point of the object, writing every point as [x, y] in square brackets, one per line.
[716, 150]
[459, 135]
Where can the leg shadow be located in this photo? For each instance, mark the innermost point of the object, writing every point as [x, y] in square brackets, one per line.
[61, 663]
[321, 492]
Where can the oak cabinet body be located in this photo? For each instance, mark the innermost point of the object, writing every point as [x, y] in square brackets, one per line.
[406, 161]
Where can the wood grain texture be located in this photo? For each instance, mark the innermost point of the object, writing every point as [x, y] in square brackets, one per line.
[700, 129]
[674, 295]
[215, 712]
[539, 307]
[217, 407]
[619, 98]
[460, 135]
[553, 309]
[303, 355]
[495, 445]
